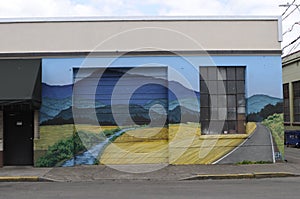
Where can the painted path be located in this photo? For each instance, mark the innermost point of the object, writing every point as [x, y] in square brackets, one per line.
[257, 147]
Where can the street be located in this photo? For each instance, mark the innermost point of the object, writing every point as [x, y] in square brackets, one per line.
[292, 155]
[248, 188]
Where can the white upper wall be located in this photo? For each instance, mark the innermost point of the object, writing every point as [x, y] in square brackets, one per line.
[139, 34]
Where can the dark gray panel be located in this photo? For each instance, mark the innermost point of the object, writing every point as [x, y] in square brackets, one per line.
[20, 80]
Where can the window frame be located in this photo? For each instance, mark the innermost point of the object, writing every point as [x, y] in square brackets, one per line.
[296, 98]
[286, 104]
[230, 78]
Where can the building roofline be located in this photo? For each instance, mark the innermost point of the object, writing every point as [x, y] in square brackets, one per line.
[291, 58]
[138, 18]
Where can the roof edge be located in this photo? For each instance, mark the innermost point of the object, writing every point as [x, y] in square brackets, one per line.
[291, 58]
[138, 18]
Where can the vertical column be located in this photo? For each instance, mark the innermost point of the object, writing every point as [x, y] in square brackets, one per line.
[1, 138]
[291, 93]
[36, 133]
[36, 124]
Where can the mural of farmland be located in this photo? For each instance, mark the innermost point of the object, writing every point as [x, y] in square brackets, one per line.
[131, 115]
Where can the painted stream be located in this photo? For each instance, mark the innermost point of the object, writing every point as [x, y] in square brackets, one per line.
[88, 157]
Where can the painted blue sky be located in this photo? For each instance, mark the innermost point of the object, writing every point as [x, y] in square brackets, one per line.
[263, 74]
[100, 8]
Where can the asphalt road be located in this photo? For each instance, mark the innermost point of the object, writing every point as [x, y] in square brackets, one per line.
[257, 148]
[275, 188]
[292, 155]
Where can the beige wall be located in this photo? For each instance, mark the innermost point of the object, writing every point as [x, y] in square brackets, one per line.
[139, 35]
[291, 73]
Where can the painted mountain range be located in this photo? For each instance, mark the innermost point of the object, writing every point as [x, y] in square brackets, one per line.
[57, 101]
[256, 103]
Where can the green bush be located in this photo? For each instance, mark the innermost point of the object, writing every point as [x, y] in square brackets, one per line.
[109, 133]
[275, 124]
[60, 151]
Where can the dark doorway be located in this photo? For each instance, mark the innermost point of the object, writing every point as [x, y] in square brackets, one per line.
[18, 138]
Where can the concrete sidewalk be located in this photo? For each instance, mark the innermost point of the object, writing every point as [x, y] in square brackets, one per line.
[188, 172]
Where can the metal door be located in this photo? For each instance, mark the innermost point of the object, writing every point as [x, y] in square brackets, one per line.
[18, 138]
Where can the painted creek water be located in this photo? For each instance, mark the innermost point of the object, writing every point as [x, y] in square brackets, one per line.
[89, 157]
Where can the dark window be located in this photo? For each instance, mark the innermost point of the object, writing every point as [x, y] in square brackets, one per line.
[212, 73]
[230, 73]
[222, 100]
[240, 73]
[296, 94]
[286, 103]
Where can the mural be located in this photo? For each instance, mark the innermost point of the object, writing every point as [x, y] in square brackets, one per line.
[154, 117]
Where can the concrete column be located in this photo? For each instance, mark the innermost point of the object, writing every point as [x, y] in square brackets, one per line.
[36, 124]
[291, 103]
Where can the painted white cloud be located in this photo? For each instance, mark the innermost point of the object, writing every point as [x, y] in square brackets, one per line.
[65, 8]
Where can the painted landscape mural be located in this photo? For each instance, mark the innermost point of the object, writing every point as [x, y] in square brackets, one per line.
[151, 118]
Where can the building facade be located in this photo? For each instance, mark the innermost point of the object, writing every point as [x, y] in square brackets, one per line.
[291, 82]
[140, 91]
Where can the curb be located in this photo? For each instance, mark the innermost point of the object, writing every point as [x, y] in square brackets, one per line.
[24, 179]
[256, 175]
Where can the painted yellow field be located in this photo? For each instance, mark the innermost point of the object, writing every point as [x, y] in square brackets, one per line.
[145, 145]
[93, 128]
[144, 135]
[51, 134]
[153, 152]
[178, 144]
[186, 145]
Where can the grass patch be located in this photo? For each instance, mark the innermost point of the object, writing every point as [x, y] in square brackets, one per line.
[253, 162]
[110, 132]
[275, 124]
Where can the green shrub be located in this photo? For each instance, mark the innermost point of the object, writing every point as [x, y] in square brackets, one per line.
[275, 124]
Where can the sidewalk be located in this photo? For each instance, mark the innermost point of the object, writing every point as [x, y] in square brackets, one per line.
[184, 172]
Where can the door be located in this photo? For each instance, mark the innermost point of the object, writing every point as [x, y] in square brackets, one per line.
[18, 138]
[127, 97]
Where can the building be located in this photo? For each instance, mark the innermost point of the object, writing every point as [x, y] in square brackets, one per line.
[291, 90]
[166, 90]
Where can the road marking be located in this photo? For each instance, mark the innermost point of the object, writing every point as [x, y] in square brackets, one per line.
[272, 144]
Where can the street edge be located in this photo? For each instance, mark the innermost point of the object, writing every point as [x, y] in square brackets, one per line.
[24, 179]
[256, 175]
